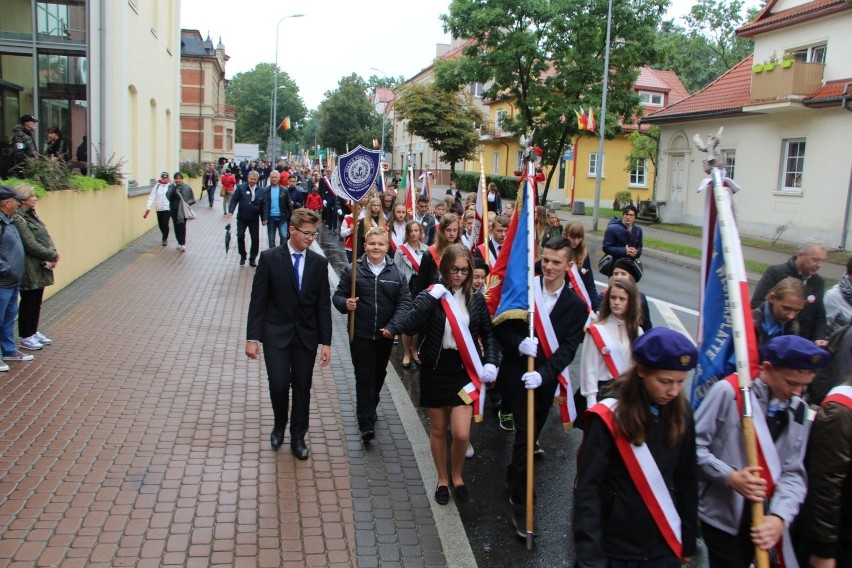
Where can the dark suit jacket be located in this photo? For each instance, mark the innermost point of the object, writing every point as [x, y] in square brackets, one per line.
[250, 207]
[568, 317]
[278, 312]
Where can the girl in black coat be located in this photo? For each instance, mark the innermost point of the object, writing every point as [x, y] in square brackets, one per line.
[576, 235]
[443, 375]
[447, 233]
[613, 526]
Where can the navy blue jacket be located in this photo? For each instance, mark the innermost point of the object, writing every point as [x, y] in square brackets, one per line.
[618, 236]
[251, 207]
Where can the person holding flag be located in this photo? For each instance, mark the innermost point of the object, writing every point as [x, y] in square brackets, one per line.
[495, 243]
[454, 323]
[781, 424]
[559, 318]
[635, 499]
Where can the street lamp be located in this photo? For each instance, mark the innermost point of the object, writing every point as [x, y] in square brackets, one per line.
[273, 114]
[384, 112]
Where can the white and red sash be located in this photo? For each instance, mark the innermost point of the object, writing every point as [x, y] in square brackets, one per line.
[770, 464]
[606, 344]
[646, 477]
[492, 258]
[435, 258]
[579, 287]
[411, 255]
[841, 395]
[474, 391]
[549, 344]
[395, 241]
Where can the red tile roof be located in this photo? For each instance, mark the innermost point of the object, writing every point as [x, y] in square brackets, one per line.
[727, 94]
[769, 20]
[678, 92]
[830, 91]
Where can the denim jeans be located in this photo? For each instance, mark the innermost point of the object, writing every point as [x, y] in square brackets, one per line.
[276, 225]
[8, 313]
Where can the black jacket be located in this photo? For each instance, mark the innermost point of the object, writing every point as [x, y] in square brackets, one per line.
[618, 236]
[284, 203]
[812, 318]
[251, 206]
[427, 275]
[383, 300]
[427, 318]
[610, 517]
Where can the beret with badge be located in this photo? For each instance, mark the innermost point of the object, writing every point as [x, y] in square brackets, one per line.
[794, 352]
[663, 348]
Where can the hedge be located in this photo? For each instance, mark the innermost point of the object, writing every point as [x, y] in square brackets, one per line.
[469, 181]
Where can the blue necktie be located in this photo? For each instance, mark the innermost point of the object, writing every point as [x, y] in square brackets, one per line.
[297, 256]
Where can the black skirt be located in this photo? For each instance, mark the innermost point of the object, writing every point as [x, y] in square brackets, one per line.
[440, 383]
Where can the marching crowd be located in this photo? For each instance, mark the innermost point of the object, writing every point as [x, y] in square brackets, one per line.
[652, 475]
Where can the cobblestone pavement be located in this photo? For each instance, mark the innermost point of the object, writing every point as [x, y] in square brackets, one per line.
[140, 438]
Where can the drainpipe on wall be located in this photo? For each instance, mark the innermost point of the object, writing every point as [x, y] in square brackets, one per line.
[102, 83]
[506, 169]
[200, 101]
[846, 213]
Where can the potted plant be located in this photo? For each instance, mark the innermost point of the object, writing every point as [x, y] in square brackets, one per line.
[787, 60]
[758, 68]
[770, 65]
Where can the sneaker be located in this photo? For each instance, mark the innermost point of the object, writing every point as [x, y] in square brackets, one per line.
[177, 247]
[165, 243]
[507, 422]
[42, 338]
[182, 248]
[469, 453]
[3, 366]
[18, 356]
[538, 450]
[31, 343]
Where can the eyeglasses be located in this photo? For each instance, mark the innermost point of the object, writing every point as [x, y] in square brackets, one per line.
[308, 234]
[460, 270]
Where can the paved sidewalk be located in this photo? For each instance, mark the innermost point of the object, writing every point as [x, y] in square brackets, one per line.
[140, 438]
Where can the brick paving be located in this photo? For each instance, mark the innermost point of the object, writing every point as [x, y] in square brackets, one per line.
[140, 438]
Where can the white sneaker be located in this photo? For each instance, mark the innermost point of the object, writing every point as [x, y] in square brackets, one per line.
[31, 343]
[18, 356]
[44, 340]
[182, 248]
[469, 453]
[3, 366]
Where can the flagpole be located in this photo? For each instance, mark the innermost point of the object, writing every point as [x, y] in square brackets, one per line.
[731, 241]
[531, 248]
[483, 196]
[355, 214]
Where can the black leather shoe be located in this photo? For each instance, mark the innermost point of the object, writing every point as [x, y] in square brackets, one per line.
[462, 495]
[252, 263]
[300, 450]
[276, 438]
[242, 262]
[368, 435]
[442, 495]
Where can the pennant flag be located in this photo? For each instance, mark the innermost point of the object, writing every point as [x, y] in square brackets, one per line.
[478, 236]
[285, 124]
[424, 186]
[581, 119]
[590, 121]
[508, 295]
[716, 357]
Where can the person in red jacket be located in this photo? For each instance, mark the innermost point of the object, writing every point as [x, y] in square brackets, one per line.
[229, 181]
[313, 201]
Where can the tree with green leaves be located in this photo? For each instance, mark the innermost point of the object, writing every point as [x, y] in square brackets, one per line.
[385, 82]
[346, 117]
[644, 143]
[546, 58]
[251, 94]
[444, 119]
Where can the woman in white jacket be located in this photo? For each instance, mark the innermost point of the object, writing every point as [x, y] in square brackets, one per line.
[158, 199]
[608, 344]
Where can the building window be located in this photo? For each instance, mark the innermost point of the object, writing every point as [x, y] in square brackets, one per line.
[650, 99]
[593, 164]
[476, 89]
[792, 165]
[812, 54]
[638, 176]
[520, 162]
[500, 116]
[496, 170]
[730, 162]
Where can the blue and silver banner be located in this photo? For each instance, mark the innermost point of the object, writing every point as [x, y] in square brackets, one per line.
[356, 172]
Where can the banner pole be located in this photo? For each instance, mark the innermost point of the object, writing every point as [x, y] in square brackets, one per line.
[355, 214]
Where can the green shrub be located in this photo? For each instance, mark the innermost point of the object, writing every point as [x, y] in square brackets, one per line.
[50, 175]
[86, 183]
[110, 171]
[622, 200]
[469, 181]
[191, 169]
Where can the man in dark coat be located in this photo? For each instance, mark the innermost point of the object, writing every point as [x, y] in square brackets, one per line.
[249, 198]
[23, 144]
[623, 237]
[804, 265]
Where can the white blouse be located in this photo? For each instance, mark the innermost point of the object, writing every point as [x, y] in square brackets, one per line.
[448, 341]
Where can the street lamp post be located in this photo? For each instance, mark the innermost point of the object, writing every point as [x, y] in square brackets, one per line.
[384, 112]
[273, 114]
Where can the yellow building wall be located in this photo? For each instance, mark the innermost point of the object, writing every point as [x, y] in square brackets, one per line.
[614, 179]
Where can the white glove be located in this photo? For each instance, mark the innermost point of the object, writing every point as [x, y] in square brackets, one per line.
[532, 380]
[437, 291]
[325, 203]
[489, 373]
[591, 400]
[340, 212]
[529, 347]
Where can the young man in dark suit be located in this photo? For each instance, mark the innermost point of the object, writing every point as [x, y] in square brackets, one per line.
[249, 198]
[567, 314]
[290, 313]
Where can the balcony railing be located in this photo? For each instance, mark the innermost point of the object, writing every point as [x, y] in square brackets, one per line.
[794, 82]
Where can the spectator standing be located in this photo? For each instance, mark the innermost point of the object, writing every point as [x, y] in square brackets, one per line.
[248, 197]
[838, 302]
[297, 196]
[381, 302]
[82, 155]
[623, 238]
[649, 417]
[12, 261]
[290, 313]
[178, 193]
[23, 144]
[209, 181]
[494, 201]
[229, 182]
[777, 315]
[453, 191]
[804, 265]
[39, 261]
[313, 201]
[277, 209]
[56, 147]
[157, 199]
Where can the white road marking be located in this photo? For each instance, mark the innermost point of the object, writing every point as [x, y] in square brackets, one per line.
[658, 302]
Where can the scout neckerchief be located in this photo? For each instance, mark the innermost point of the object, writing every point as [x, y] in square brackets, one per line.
[549, 344]
[646, 477]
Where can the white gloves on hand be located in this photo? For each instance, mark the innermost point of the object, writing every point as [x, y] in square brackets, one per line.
[437, 291]
[489, 373]
[340, 212]
[529, 347]
[325, 203]
[591, 400]
[532, 380]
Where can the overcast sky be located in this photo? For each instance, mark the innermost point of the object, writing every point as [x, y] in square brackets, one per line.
[333, 39]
